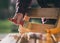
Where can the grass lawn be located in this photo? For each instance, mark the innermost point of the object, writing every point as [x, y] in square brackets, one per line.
[5, 26]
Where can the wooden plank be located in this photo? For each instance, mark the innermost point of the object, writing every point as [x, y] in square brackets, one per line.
[44, 12]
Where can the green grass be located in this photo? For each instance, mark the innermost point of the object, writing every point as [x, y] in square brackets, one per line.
[5, 26]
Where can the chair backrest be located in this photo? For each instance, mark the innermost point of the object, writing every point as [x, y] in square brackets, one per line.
[44, 12]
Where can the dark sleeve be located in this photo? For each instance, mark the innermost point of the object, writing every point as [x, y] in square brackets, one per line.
[43, 3]
[23, 5]
[57, 3]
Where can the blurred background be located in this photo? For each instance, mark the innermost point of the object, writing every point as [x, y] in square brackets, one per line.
[7, 10]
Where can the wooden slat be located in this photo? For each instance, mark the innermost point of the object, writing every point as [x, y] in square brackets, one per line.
[44, 12]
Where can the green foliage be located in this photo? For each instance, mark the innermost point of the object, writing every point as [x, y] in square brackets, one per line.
[4, 4]
[5, 26]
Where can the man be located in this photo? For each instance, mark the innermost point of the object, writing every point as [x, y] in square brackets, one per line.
[22, 7]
